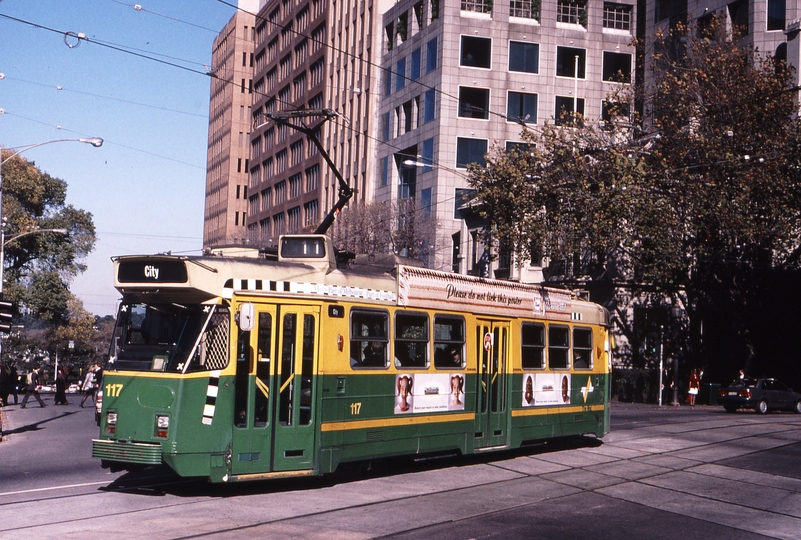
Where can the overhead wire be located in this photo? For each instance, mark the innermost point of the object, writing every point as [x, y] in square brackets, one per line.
[276, 96]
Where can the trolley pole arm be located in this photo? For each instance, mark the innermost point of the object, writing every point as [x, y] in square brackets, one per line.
[345, 191]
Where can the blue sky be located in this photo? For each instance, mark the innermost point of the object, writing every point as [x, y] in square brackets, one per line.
[145, 186]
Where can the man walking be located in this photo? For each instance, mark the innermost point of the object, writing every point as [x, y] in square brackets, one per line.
[33, 389]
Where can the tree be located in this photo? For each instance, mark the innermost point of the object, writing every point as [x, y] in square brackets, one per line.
[699, 208]
[403, 228]
[39, 267]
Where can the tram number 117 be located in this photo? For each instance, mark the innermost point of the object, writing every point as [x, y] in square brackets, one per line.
[355, 408]
[113, 390]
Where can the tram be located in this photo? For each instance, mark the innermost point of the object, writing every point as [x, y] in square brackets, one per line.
[245, 365]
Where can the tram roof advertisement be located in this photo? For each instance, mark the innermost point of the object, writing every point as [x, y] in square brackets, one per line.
[420, 287]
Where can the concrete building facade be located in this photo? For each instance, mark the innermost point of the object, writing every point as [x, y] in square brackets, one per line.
[229, 126]
[310, 54]
[462, 77]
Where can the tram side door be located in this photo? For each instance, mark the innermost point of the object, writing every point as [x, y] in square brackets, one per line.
[492, 344]
[253, 403]
[295, 383]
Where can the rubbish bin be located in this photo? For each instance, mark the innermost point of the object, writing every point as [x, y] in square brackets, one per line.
[710, 393]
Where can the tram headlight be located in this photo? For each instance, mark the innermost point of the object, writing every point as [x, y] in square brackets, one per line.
[162, 425]
[111, 422]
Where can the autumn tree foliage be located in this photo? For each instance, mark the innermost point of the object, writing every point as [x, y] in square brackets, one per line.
[697, 200]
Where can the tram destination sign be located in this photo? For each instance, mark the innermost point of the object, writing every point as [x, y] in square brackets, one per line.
[151, 271]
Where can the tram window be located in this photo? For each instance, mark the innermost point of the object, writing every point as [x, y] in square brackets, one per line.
[532, 338]
[582, 348]
[263, 355]
[369, 339]
[448, 342]
[558, 347]
[411, 340]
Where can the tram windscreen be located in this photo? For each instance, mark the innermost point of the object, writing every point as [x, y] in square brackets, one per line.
[170, 337]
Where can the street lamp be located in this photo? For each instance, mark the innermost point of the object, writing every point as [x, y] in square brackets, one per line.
[33, 231]
[94, 141]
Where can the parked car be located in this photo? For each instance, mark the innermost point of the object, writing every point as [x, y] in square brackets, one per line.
[761, 394]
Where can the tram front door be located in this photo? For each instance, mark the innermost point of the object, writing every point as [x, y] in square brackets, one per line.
[273, 403]
[492, 344]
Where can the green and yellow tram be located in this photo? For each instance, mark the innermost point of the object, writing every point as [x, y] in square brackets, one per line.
[242, 367]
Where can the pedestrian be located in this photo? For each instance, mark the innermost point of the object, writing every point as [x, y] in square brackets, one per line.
[694, 385]
[61, 387]
[13, 378]
[89, 385]
[33, 389]
[5, 384]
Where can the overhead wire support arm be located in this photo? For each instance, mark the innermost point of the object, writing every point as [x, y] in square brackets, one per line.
[345, 191]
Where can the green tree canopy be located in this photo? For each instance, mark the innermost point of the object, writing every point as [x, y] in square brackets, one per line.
[698, 201]
[39, 267]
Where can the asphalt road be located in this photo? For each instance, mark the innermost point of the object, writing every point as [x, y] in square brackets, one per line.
[661, 473]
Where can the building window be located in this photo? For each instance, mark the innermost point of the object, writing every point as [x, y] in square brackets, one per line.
[293, 219]
[266, 199]
[430, 105]
[280, 192]
[400, 74]
[385, 171]
[431, 55]
[299, 86]
[563, 115]
[572, 12]
[776, 14]
[521, 107]
[470, 151]
[425, 202]
[617, 67]
[519, 147]
[295, 185]
[312, 178]
[279, 227]
[525, 9]
[311, 213]
[617, 16]
[387, 126]
[524, 57]
[296, 153]
[414, 72]
[477, 6]
[427, 155]
[473, 102]
[614, 112]
[566, 62]
[476, 52]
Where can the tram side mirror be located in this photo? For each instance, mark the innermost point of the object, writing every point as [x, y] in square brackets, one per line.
[247, 317]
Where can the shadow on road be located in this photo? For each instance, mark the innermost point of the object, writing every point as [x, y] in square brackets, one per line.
[35, 426]
[161, 480]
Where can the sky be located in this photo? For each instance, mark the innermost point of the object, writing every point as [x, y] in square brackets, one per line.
[137, 81]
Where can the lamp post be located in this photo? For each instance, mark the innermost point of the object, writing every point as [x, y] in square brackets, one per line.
[94, 141]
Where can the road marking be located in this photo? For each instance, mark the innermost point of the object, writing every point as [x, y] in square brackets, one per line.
[54, 487]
